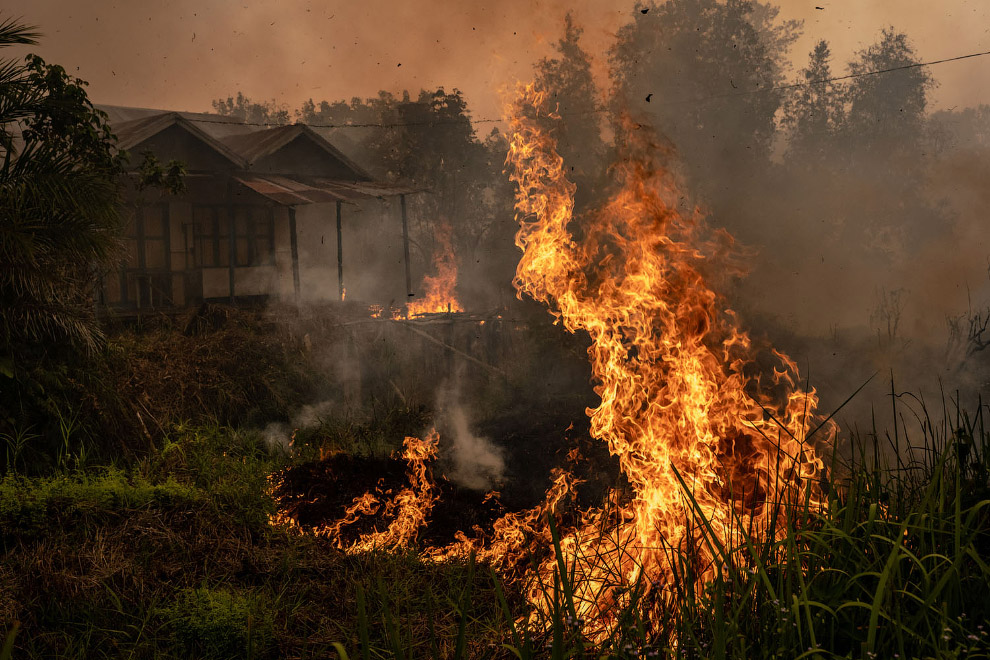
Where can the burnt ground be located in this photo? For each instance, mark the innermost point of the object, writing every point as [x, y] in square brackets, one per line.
[318, 492]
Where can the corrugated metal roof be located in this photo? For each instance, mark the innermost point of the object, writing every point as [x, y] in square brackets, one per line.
[366, 189]
[216, 126]
[296, 190]
[263, 142]
[244, 145]
[260, 143]
[286, 191]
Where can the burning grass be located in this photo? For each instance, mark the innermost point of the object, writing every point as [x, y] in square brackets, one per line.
[174, 556]
[731, 528]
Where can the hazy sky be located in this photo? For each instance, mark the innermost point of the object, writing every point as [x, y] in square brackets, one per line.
[182, 54]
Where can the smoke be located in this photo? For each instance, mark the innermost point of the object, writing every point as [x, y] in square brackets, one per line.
[866, 250]
[278, 435]
[477, 463]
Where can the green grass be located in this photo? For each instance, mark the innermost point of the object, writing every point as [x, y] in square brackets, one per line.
[172, 555]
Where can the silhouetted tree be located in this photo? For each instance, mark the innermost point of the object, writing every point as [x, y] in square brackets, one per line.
[59, 218]
[952, 130]
[241, 107]
[887, 111]
[60, 180]
[885, 137]
[704, 72]
[815, 112]
[568, 81]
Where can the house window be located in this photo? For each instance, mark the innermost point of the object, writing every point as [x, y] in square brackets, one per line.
[145, 278]
[212, 250]
[254, 235]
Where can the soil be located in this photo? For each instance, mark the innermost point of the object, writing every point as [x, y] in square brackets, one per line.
[317, 493]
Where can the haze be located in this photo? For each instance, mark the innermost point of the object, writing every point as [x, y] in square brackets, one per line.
[182, 54]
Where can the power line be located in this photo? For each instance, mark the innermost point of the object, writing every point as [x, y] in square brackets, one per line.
[822, 81]
[492, 120]
[916, 65]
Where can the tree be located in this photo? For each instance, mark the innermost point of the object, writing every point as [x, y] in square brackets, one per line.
[815, 112]
[704, 73]
[243, 108]
[886, 138]
[58, 201]
[60, 181]
[568, 81]
[887, 109]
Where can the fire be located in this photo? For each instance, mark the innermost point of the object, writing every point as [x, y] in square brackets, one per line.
[678, 408]
[702, 442]
[440, 295]
[409, 509]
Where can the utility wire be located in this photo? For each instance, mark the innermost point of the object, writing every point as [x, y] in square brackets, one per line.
[492, 120]
[822, 81]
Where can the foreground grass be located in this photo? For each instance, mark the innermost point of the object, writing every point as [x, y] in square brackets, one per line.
[173, 556]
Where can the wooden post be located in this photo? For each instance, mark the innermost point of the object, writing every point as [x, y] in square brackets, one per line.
[294, 247]
[340, 256]
[405, 245]
[232, 239]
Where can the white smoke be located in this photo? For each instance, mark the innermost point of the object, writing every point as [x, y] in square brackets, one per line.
[477, 463]
[278, 435]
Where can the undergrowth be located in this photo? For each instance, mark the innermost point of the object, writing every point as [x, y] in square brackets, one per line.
[173, 555]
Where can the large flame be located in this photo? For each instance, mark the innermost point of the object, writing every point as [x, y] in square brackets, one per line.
[692, 432]
[703, 444]
[440, 295]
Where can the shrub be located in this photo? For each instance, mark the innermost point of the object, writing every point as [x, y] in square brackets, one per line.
[220, 623]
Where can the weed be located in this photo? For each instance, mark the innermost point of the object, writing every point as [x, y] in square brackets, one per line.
[219, 623]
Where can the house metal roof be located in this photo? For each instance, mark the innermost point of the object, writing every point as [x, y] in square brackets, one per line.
[260, 143]
[292, 190]
[243, 145]
[217, 126]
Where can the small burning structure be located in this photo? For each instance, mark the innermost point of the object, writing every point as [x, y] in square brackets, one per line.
[440, 295]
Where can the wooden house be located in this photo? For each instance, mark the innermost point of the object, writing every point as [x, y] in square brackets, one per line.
[269, 214]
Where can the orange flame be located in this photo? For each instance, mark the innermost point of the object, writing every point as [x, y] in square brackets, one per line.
[677, 408]
[409, 508]
[696, 435]
[440, 295]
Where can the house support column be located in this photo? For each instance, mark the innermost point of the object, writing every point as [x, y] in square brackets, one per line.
[294, 247]
[340, 256]
[231, 240]
[405, 245]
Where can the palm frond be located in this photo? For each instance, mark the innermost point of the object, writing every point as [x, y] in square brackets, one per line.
[13, 31]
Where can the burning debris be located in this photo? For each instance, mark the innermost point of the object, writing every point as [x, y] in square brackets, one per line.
[440, 295]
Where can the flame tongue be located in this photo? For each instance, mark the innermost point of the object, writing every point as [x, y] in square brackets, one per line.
[409, 508]
[691, 431]
[440, 294]
[668, 367]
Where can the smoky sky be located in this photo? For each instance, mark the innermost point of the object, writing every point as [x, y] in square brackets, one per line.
[182, 54]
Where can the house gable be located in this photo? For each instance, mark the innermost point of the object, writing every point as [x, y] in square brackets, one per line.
[294, 149]
[303, 155]
[170, 137]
